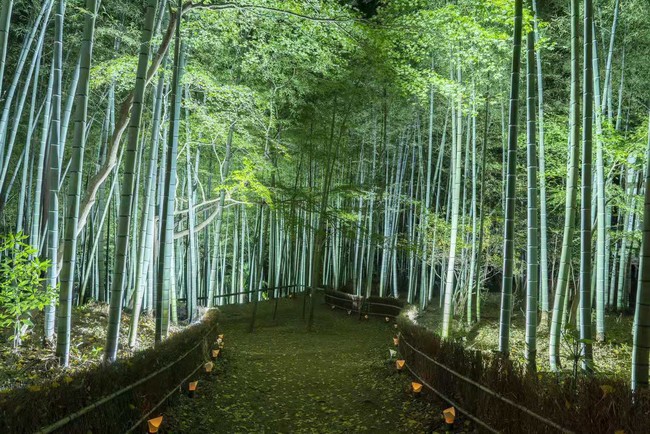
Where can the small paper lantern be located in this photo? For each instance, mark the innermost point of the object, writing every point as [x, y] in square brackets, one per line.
[208, 367]
[154, 424]
[395, 326]
[349, 312]
[365, 316]
[399, 364]
[416, 387]
[392, 353]
[450, 416]
[387, 319]
[215, 353]
[221, 336]
[396, 341]
[192, 388]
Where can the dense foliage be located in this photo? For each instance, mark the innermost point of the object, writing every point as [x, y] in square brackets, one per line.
[168, 157]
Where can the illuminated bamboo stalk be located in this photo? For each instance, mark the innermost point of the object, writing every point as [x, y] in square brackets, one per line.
[67, 279]
[570, 200]
[165, 261]
[455, 208]
[585, 213]
[128, 188]
[532, 255]
[509, 224]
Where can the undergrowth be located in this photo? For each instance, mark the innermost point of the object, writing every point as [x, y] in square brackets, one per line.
[612, 358]
[34, 361]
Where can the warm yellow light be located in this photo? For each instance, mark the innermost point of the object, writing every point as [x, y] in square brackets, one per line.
[366, 316]
[215, 353]
[450, 415]
[193, 385]
[221, 337]
[400, 364]
[154, 424]
[417, 387]
[208, 366]
[396, 341]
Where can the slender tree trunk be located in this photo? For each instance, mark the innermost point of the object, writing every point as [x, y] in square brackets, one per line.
[543, 258]
[600, 270]
[571, 195]
[455, 198]
[532, 269]
[169, 192]
[128, 187]
[509, 225]
[74, 188]
[641, 331]
[585, 214]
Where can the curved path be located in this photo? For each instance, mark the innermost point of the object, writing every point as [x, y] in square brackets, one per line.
[336, 379]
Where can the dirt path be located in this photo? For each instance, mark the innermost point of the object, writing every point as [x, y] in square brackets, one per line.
[335, 379]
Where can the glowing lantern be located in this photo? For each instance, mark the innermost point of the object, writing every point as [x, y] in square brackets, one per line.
[221, 337]
[365, 316]
[192, 387]
[450, 416]
[400, 365]
[215, 353]
[396, 341]
[349, 312]
[416, 387]
[387, 319]
[208, 367]
[395, 326]
[154, 424]
[392, 353]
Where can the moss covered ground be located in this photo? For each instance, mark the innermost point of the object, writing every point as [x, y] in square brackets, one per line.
[612, 357]
[338, 378]
[34, 362]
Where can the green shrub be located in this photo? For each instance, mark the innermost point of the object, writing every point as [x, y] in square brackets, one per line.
[21, 285]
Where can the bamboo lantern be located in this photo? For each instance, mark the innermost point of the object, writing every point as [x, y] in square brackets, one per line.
[208, 367]
[450, 416]
[215, 353]
[154, 424]
[399, 364]
[192, 388]
[416, 387]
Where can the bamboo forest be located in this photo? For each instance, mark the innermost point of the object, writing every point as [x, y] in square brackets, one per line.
[324, 216]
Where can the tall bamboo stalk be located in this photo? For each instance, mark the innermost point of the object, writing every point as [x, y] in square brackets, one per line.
[509, 225]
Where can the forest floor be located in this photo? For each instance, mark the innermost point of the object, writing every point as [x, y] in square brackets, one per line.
[612, 358]
[336, 379]
[33, 362]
